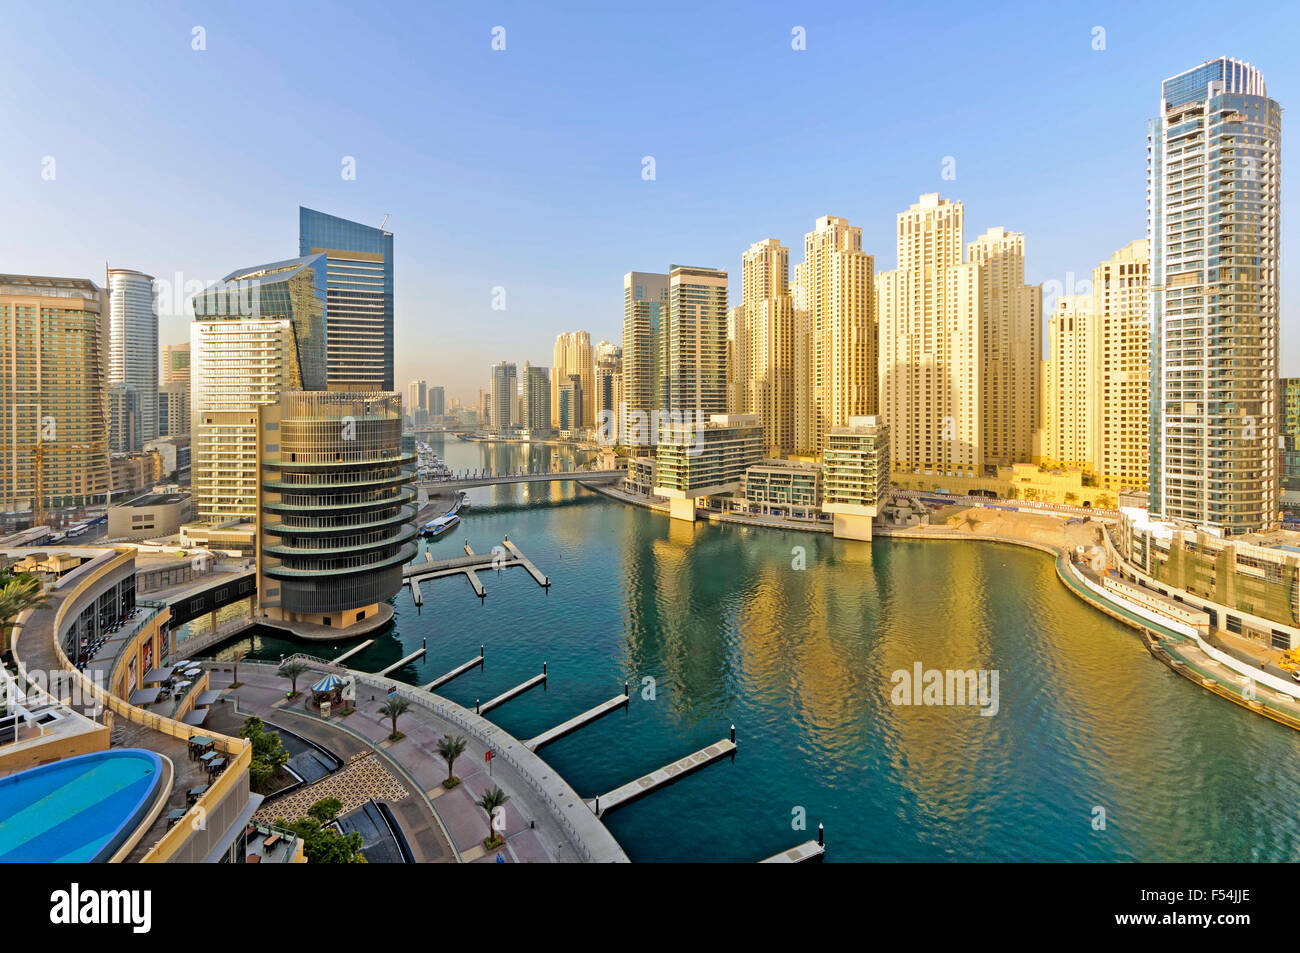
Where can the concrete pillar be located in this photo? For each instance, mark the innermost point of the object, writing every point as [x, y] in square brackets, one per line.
[851, 526]
[682, 509]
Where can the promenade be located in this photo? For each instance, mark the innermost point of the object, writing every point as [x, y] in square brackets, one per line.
[539, 827]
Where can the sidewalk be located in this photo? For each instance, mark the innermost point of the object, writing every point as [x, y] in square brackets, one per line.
[414, 762]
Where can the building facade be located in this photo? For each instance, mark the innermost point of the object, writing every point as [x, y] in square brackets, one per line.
[536, 388]
[760, 344]
[575, 355]
[133, 349]
[336, 522]
[696, 345]
[53, 393]
[1213, 183]
[359, 291]
[855, 475]
[504, 396]
[645, 321]
[695, 459]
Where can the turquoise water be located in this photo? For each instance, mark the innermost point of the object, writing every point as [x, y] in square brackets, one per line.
[801, 660]
[76, 810]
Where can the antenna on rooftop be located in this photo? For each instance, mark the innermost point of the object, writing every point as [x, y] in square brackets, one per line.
[385, 221]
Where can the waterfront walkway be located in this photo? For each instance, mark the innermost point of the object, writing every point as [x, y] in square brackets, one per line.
[539, 826]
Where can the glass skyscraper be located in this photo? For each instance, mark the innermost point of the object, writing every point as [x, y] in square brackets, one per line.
[133, 355]
[359, 291]
[1213, 224]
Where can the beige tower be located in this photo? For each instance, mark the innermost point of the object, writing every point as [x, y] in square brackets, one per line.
[574, 355]
[837, 288]
[1011, 345]
[761, 344]
[1071, 419]
[1120, 290]
[932, 346]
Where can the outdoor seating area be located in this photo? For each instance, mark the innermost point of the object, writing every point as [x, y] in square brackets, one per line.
[108, 628]
[264, 843]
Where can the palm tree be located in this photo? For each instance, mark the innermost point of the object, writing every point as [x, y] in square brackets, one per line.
[491, 802]
[451, 748]
[291, 671]
[238, 657]
[17, 595]
[394, 708]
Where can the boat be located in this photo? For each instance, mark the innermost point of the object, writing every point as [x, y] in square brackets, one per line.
[442, 524]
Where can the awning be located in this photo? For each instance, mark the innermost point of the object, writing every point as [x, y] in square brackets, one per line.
[207, 698]
[144, 696]
[158, 674]
[196, 717]
[328, 684]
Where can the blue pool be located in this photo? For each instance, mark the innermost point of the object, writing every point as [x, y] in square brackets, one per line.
[79, 809]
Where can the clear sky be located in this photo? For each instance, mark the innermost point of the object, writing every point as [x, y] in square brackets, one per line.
[522, 168]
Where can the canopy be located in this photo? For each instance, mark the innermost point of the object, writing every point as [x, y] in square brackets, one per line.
[328, 684]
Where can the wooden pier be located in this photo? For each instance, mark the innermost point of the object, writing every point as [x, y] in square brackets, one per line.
[398, 664]
[505, 696]
[666, 775]
[454, 673]
[542, 580]
[353, 651]
[576, 722]
[471, 564]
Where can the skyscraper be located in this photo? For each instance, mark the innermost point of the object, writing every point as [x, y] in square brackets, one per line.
[504, 396]
[838, 373]
[931, 368]
[760, 340]
[1121, 289]
[1213, 199]
[359, 292]
[1011, 321]
[645, 320]
[437, 399]
[609, 385]
[53, 392]
[695, 348]
[257, 334]
[133, 350]
[1072, 409]
[417, 397]
[536, 387]
[575, 355]
[176, 363]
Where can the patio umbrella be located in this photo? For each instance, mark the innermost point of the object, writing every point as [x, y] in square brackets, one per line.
[328, 684]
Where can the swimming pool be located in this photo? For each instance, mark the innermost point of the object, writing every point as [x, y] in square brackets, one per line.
[78, 810]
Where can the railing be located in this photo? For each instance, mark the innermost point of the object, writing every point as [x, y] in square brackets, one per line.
[466, 721]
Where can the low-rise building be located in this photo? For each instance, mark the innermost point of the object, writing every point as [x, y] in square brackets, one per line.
[789, 489]
[856, 475]
[150, 516]
[640, 476]
[705, 459]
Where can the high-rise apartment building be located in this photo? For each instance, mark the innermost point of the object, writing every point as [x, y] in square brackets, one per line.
[1072, 410]
[838, 371]
[645, 321]
[176, 363]
[417, 397]
[1011, 321]
[572, 401]
[504, 396]
[133, 349]
[960, 347]
[609, 385]
[575, 355]
[536, 392]
[1121, 288]
[931, 349]
[53, 393]
[437, 403]
[257, 334]
[359, 292]
[760, 344]
[124, 417]
[174, 408]
[1213, 199]
[695, 347]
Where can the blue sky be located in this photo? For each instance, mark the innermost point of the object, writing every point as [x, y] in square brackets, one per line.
[522, 168]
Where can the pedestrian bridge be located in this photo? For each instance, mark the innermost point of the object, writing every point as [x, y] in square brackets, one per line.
[469, 479]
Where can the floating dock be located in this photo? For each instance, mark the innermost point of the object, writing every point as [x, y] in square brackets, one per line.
[666, 775]
[454, 673]
[353, 651]
[807, 851]
[542, 579]
[576, 722]
[398, 664]
[505, 696]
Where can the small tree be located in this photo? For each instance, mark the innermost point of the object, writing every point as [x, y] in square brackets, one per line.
[19, 593]
[451, 748]
[492, 802]
[291, 670]
[326, 809]
[268, 753]
[394, 708]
